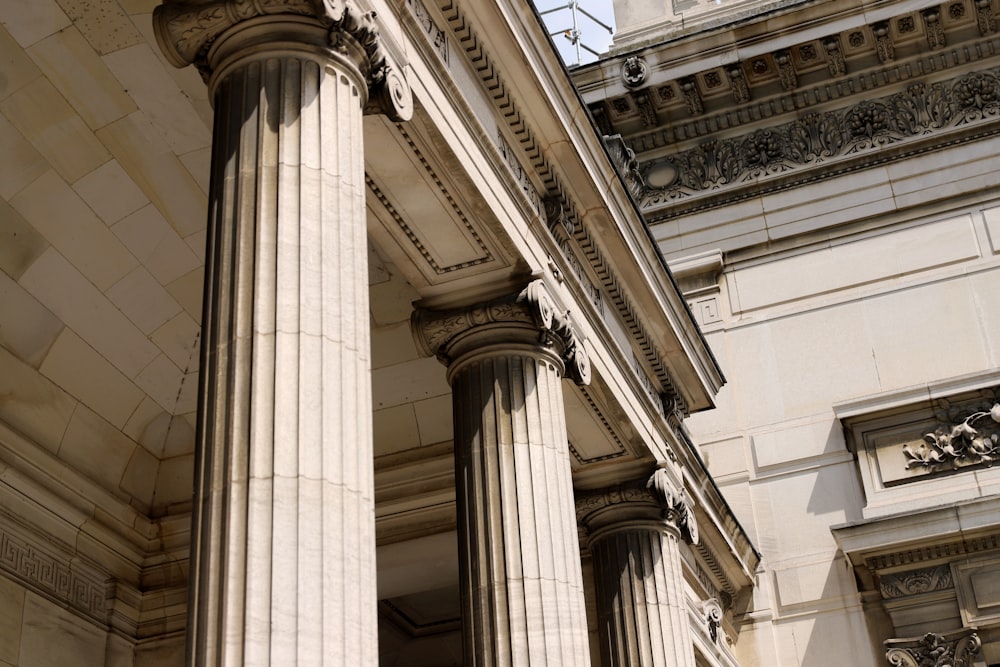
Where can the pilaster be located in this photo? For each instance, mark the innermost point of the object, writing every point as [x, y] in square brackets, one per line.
[522, 589]
[634, 532]
[283, 549]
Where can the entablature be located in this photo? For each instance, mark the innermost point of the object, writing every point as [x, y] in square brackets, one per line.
[719, 121]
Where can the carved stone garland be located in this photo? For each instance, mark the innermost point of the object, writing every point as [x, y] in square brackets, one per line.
[960, 444]
[953, 649]
[823, 137]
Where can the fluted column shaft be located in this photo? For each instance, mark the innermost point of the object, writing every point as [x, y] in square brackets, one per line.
[283, 539]
[522, 589]
[638, 571]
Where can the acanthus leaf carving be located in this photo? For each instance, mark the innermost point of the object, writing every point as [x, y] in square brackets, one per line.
[960, 444]
[954, 649]
[913, 113]
[187, 29]
[437, 332]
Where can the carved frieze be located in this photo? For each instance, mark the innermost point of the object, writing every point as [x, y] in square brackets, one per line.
[55, 574]
[692, 98]
[953, 649]
[973, 440]
[815, 138]
[786, 70]
[435, 35]
[883, 42]
[915, 582]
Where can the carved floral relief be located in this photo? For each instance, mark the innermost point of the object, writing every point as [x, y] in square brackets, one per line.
[816, 138]
[974, 440]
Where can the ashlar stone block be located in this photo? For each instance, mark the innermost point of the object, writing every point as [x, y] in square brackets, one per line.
[53, 127]
[73, 67]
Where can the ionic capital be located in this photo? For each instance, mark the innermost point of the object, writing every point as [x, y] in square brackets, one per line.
[186, 31]
[529, 316]
[655, 502]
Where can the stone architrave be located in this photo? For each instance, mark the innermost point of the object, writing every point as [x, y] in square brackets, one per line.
[283, 545]
[634, 532]
[522, 588]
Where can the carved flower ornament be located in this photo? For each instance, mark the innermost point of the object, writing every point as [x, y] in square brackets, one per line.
[960, 444]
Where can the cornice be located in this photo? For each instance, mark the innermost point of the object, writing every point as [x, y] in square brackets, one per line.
[557, 198]
[730, 132]
[919, 118]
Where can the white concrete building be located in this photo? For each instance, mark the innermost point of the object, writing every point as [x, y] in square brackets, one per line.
[334, 333]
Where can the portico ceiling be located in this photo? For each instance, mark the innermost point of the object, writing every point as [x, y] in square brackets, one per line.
[102, 217]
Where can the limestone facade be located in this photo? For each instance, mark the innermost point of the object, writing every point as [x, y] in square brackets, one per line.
[821, 178]
[317, 319]
[340, 332]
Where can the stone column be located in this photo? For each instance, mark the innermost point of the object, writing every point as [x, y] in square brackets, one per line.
[283, 547]
[522, 589]
[633, 534]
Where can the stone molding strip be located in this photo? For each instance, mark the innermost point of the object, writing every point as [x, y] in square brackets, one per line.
[509, 111]
[54, 573]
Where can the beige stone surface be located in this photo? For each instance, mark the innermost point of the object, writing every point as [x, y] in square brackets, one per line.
[144, 153]
[110, 192]
[35, 406]
[434, 419]
[96, 448]
[66, 221]
[859, 262]
[17, 66]
[154, 242]
[23, 163]
[63, 290]
[395, 429]
[85, 374]
[44, 117]
[55, 636]
[11, 612]
[33, 331]
[158, 96]
[899, 338]
[71, 64]
[179, 338]
[29, 22]
[143, 300]
[103, 23]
